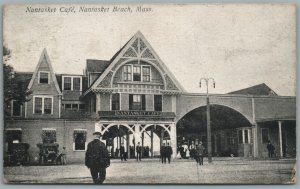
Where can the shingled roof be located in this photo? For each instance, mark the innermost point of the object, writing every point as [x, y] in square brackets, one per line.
[99, 66]
[261, 89]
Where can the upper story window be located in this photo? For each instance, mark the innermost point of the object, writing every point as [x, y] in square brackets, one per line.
[42, 105]
[115, 101]
[158, 103]
[16, 108]
[44, 77]
[146, 73]
[127, 73]
[136, 73]
[137, 102]
[72, 83]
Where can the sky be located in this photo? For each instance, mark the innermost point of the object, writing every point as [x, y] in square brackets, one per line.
[238, 45]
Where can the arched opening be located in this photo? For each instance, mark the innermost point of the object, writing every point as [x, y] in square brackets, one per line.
[153, 138]
[231, 131]
[116, 136]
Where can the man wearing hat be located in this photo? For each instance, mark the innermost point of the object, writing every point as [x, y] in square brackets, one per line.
[200, 153]
[97, 158]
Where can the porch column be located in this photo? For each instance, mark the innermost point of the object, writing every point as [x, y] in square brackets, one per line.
[127, 145]
[280, 138]
[255, 141]
[97, 102]
[137, 136]
[152, 143]
[173, 139]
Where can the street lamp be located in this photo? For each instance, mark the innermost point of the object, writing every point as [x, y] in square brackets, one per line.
[208, 115]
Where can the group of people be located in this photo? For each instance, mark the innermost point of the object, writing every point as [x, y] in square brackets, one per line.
[166, 152]
[97, 156]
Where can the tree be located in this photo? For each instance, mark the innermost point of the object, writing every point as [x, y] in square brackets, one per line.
[14, 86]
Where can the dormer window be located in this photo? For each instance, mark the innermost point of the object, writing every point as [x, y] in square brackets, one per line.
[44, 77]
[146, 73]
[72, 83]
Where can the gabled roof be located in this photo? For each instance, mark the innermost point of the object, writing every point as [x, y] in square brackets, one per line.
[98, 66]
[45, 55]
[261, 89]
[129, 46]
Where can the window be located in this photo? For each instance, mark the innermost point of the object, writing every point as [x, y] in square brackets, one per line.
[68, 106]
[265, 135]
[67, 83]
[43, 105]
[44, 77]
[17, 108]
[79, 139]
[127, 72]
[137, 102]
[75, 106]
[71, 83]
[76, 84]
[49, 136]
[38, 104]
[12, 136]
[115, 101]
[157, 103]
[47, 105]
[240, 136]
[146, 73]
[244, 136]
[136, 73]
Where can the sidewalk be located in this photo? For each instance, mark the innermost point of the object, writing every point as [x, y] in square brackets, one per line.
[152, 171]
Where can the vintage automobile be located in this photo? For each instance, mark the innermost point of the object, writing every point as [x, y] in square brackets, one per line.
[48, 153]
[18, 154]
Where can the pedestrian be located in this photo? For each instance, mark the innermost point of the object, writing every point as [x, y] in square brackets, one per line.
[138, 152]
[163, 153]
[97, 158]
[199, 153]
[169, 152]
[122, 152]
[63, 156]
[271, 149]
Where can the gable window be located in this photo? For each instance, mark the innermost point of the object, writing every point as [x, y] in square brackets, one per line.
[157, 103]
[115, 101]
[16, 108]
[72, 83]
[79, 138]
[136, 73]
[146, 73]
[137, 102]
[127, 72]
[44, 77]
[43, 105]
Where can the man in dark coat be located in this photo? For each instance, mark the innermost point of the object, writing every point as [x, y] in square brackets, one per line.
[97, 159]
[169, 152]
[163, 153]
[138, 152]
[200, 153]
[271, 149]
[122, 152]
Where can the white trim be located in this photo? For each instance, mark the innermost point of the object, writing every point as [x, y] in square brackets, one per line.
[13, 129]
[72, 85]
[43, 104]
[49, 129]
[59, 106]
[120, 101]
[40, 74]
[25, 111]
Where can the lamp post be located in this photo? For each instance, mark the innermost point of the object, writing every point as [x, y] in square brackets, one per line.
[207, 80]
